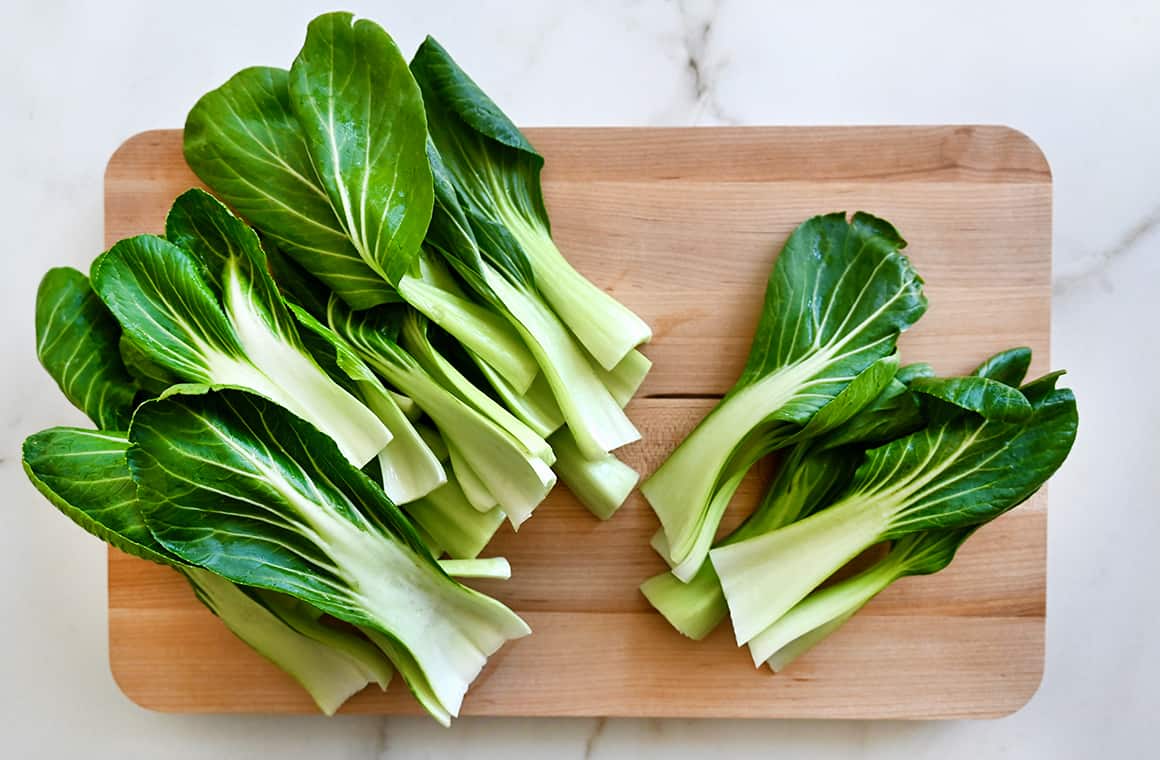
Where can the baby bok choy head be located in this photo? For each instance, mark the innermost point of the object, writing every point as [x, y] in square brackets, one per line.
[233, 483]
[986, 449]
[839, 295]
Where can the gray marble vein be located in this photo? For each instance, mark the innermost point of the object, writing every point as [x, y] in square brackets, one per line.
[704, 59]
[1139, 238]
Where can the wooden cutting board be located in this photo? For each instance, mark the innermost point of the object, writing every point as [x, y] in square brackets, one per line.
[683, 225]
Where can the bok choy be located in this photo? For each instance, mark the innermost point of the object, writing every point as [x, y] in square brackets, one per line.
[839, 295]
[200, 304]
[811, 472]
[85, 474]
[233, 483]
[987, 448]
[921, 553]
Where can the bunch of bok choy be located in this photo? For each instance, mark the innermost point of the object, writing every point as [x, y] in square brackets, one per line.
[871, 452]
[403, 189]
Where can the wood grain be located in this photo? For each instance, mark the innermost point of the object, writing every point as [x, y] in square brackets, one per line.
[683, 225]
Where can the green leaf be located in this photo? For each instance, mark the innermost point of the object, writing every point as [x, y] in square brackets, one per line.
[235, 484]
[960, 472]
[989, 398]
[214, 316]
[495, 173]
[969, 471]
[1008, 367]
[149, 376]
[895, 413]
[838, 297]
[1037, 389]
[852, 399]
[362, 116]
[910, 372]
[77, 342]
[85, 475]
[245, 143]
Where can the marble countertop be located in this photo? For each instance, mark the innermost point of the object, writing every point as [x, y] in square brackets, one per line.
[80, 77]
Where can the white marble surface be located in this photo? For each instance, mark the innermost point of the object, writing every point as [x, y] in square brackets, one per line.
[80, 76]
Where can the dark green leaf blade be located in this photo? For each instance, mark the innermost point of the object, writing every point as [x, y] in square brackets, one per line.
[85, 475]
[77, 342]
[981, 395]
[137, 279]
[362, 115]
[244, 141]
[970, 470]
[1008, 367]
[840, 289]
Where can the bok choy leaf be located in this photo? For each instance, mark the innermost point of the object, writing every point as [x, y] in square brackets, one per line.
[839, 295]
[233, 483]
[495, 267]
[807, 477]
[959, 471]
[496, 173]
[84, 473]
[211, 314]
[345, 195]
[78, 342]
[362, 118]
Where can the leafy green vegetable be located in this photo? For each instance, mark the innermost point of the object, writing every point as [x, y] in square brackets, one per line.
[1008, 367]
[77, 342]
[808, 476]
[244, 141]
[588, 397]
[601, 485]
[496, 173]
[202, 306]
[262, 142]
[233, 483]
[150, 378]
[491, 463]
[84, 473]
[408, 468]
[362, 117]
[961, 471]
[838, 297]
[825, 610]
